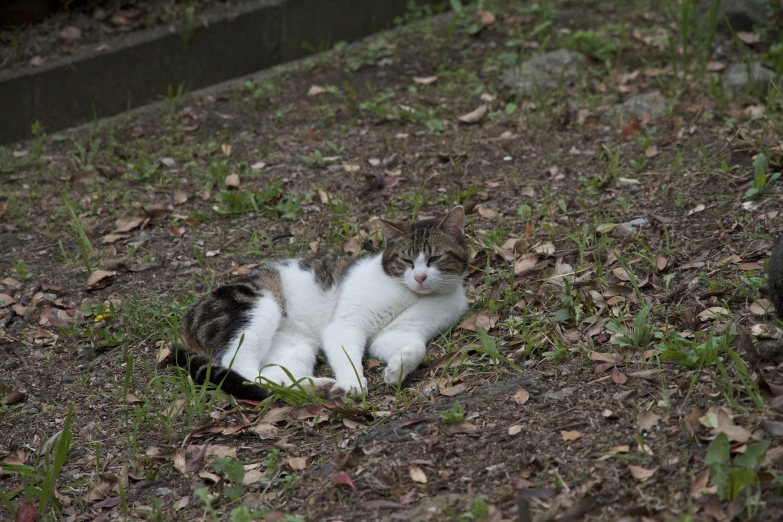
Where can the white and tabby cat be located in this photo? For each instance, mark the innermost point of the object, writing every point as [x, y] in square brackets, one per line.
[394, 302]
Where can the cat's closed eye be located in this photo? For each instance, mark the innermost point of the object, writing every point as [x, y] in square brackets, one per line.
[433, 259]
[408, 261]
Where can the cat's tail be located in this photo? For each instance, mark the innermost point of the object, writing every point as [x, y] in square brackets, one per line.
[227, 380]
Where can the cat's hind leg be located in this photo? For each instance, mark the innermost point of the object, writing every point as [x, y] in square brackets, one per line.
[251, 345]
[297, 354]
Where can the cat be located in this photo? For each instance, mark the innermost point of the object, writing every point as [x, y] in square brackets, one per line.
[775, 277]
[281, 314]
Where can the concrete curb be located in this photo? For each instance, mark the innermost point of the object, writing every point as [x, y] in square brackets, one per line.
[141, 69]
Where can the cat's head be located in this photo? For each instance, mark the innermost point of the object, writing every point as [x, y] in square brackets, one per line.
[429, 256]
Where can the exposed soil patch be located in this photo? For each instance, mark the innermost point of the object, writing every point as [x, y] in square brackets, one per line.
[98, 26]
[577, 405]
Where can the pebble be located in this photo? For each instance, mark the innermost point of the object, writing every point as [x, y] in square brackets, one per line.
[162, 492]
[67, 379]
[86, 353]
[98, 383]
[390, 161]
[10, 364]
[33, 411]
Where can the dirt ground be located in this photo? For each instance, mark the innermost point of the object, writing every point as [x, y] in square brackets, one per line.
[576, 405]
[88, 25]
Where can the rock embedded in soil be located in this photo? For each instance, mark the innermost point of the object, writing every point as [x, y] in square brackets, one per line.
[740, 85]
[67, 379]
[642, 107]
[544, 72]
[391, 161]
[162, 492]
[739, 15]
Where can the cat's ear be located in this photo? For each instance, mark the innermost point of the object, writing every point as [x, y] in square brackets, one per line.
[452, 223]
[391, 230]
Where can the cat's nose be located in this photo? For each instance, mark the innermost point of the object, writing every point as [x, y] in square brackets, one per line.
[420, 278]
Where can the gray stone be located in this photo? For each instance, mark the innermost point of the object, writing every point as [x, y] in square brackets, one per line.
[67, 379]
[390, 161]
[642, 107]
[162, 492]
[741, 15]
[741, 85]
[543, 72]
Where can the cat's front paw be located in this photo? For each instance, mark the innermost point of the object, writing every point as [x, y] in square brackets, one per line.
[321, 387]
[350, 388]
[392, 375]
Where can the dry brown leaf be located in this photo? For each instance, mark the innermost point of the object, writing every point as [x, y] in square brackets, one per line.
[195, 461]
[6, 300]
[546, 248]
[315, 90]
[226, 149]
[521, 396]
[485, 212]
[97, 493]
[514, 430]
[651, 151]
[423, 80]
[206, 475]
[661, 262]
[163, 354]
[244, 269]
[178, 231]
[232, 181]
[698, 208]
[699, 483]
[157, 211]
[3, 208]
[569, 435]
[617, 376]
[266, 431]
[182, 503]
[715, 66]
[712, 313]
[621, 273]
[70, 33]
[464, 426]
[128, 221]
[748, 38]
[297, 463]
[525, 262]
[474, 116]
[180, 462]
[603, 357]
[252, 477]
[180, 196]
[733, 432]
[131, 398]
[486, 18]
[760, 307]
[417, 474]
[99, 279]
[640, 473]
[451, 391]
[647, 420]
[275, 415]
